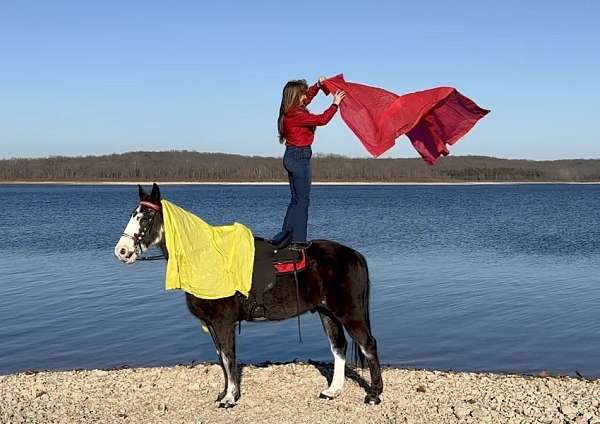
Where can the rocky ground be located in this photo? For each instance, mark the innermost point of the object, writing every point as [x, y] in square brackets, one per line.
[288, 393]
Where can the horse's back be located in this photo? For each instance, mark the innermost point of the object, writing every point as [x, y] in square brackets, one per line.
[336, 256]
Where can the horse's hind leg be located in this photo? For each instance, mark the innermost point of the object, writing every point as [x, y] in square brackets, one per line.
[361, 333]
[223, 334]
[338, 343]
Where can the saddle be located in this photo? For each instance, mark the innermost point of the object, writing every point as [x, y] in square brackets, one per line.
[271, 260]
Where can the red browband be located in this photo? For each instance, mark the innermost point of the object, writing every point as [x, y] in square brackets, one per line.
[150, 205]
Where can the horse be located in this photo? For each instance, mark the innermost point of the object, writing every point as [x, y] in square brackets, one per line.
[335, 284]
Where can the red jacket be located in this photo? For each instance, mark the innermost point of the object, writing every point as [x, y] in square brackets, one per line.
[299, 124]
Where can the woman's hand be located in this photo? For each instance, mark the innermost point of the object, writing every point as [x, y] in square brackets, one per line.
[338, 97]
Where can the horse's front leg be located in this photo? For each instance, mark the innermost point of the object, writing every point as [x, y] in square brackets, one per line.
[223, 334]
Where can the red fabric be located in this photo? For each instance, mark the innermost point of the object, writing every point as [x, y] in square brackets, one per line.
[283, 268]
[431, 119]
[299, 124]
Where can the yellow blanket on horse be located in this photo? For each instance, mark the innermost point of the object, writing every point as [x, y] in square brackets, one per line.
[205, 261]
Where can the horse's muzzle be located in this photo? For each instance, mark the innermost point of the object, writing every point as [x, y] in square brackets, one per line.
[125, 254]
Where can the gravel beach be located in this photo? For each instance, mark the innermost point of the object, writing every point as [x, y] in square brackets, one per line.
[288, 393]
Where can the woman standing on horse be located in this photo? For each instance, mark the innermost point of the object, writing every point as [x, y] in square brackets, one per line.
[296, 127]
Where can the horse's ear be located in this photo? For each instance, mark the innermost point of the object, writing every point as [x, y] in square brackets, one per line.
[143, 194]
[155, 195]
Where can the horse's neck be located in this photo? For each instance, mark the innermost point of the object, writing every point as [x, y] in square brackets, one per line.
[162, 245]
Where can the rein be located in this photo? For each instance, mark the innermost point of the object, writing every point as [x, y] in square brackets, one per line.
[152, 258]
[137, 239]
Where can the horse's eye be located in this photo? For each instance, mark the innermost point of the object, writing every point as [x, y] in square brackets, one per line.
[147, 217]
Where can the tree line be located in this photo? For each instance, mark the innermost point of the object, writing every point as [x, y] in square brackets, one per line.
[219, 167]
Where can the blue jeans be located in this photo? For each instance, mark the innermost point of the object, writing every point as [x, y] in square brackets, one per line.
[296, 162]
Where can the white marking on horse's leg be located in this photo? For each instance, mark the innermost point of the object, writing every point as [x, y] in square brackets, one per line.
[339, 371]
[229, 398]
[364, 352]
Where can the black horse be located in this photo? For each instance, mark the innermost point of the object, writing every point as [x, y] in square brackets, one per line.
[335, 284]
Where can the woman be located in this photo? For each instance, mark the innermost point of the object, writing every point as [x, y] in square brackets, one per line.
[296, 127]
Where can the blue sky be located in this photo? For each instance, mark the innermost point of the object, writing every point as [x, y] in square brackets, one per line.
[79, 78]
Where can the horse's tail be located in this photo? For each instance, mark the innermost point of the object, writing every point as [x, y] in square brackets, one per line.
[358, 358]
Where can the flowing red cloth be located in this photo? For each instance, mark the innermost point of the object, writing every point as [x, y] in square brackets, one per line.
[431, 118]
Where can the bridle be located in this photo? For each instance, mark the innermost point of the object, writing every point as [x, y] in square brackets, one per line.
[137, 238]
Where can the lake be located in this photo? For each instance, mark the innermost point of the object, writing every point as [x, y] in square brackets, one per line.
[464, 277]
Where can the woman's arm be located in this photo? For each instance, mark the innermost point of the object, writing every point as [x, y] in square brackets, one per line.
[311, 93]
[310, 120]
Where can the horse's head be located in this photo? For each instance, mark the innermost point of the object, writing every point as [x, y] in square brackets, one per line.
[144, 229]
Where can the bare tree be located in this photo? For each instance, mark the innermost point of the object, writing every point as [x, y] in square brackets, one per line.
[219, 167]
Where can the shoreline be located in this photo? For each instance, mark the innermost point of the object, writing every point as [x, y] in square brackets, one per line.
[314, 183]
[276, 393]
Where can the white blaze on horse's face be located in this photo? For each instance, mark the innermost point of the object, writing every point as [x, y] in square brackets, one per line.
[125, 250]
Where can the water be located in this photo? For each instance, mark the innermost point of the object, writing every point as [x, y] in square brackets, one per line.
[496, 278]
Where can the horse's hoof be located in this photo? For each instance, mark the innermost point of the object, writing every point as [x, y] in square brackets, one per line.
[324, 396]
[372, 400]
[226, 405]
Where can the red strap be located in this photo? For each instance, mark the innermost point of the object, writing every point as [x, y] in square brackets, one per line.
[150, 205]
[289, 267]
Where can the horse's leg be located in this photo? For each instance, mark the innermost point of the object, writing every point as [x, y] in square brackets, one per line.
[334, 330]
[224, 337]
[218, 349]
[361, 333]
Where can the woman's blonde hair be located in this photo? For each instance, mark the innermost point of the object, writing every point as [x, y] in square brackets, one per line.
[291, 97]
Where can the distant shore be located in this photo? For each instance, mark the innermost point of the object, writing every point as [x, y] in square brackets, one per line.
[288, 393]
[185, 167]
[324, 183]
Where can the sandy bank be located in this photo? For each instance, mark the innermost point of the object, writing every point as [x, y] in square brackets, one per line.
[289, 394]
